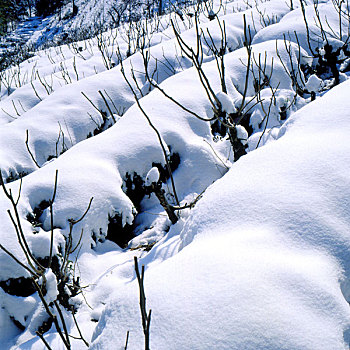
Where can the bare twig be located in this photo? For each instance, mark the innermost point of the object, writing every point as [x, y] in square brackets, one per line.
[29, 151]
[78, 328]
[155, 130]
[107, 105]
[51, 218]
[41, 336]
[104, 118]
[126, 340]
[146, 318]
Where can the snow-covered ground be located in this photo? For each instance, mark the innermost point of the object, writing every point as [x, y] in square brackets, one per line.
[90, 17]
[258, 257]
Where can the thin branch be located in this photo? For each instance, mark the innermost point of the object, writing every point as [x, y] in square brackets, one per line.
[73, 222]
[98, 110]
[51, 218]
[79, 331]
[107, 105]
[18, 262]
[62, 321]
[29, 151]
[217, 156]
[54, 318]
[146, 319]
[126, 340]
[155, 130]
[41, 336]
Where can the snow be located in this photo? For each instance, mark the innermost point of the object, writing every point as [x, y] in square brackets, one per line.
[227, 104]
[152, 176]
[258, 257]
[242, 134]
[232, 288]
[263, 262]
[314, 84]
[52, 292]
[8, 330]
[292, 26]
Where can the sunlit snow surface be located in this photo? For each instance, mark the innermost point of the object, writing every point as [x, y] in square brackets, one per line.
[261, 261]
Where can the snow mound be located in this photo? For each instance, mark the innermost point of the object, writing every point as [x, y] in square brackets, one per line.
[258, 264]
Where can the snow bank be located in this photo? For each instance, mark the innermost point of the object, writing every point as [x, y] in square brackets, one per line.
[260, 258]
[292, 26]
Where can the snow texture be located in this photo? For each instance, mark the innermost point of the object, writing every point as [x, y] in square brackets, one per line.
[258, 257]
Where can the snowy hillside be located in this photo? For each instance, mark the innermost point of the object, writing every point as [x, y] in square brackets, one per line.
[210, 143]
[85, 19]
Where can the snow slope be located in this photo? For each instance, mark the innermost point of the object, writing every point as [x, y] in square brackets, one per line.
[258, 264]
[261, 260]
